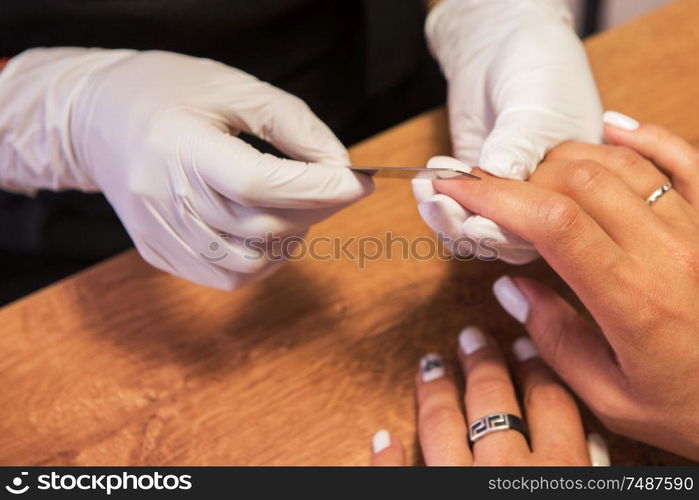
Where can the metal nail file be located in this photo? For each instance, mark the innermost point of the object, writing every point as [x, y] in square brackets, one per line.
[411, 172]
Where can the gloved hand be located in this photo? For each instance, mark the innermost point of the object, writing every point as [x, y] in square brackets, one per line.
[155, 132]
[519, 84]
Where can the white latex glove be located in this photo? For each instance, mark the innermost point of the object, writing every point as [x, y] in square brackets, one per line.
[155, 132]
[519, 84]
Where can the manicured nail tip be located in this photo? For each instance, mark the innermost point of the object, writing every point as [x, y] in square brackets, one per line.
[432, 367]
[448, 162]
[619, 120]
[471, 339]
[380, 441]
[524, 349]
[511, 298]
[599, 452]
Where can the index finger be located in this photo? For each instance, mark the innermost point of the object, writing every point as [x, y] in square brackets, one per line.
[577, 248]
[243, 174]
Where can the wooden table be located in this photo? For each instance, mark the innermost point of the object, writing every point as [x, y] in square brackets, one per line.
[123, 364]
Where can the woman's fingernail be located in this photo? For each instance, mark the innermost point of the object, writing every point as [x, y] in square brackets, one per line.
[599, 452]
[432, 367]
[511, 298]
[619, 120]
[448, 162]
[471, 339]
[380, 441]
[524, 349]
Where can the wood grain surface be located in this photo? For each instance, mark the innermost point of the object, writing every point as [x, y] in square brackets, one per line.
[123, 364]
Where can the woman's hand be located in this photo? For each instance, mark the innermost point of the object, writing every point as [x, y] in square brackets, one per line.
[555, 429]
[634, 265]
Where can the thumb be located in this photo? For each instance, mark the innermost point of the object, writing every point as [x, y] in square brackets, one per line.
[521, 138]
[567, 342]
[517, 144]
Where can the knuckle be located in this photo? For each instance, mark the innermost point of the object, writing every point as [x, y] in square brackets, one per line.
[489, 388]
[625, 158]
[290, 103]
[546, 394]
[559, 214]
[439, 416]
[582, 175]
[563, 151]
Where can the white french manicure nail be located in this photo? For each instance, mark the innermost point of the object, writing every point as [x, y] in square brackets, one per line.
[511, 299]
[471, 339]
[524, 349]
[599, 452]
[619, 120]
[380, 441]
[448, 162]
[432, 367]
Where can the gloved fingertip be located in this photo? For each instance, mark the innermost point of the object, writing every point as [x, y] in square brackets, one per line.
[423, 189]
[349, 186]
[366, 185]
[444, 215]
[513, 150]
[506, 167]
[345, 196]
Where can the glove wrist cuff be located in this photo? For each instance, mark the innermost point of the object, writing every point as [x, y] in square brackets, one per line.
[40, 94]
